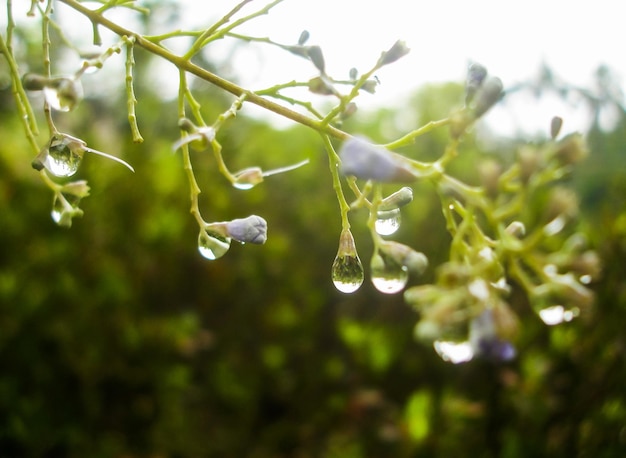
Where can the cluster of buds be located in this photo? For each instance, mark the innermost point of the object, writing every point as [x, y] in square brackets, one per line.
[482, 92]
[463, 315]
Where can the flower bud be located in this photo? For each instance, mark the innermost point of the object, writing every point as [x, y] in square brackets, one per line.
[404, 255]
[77, 189]
[252, 229]
[476, 74]
[304, 37]
[398, 199]
[487, 96]
[34, 82]
[320, 85]
[370, 86]
[555, 126]
[529, 162]
[316, 56]
[571, 150]
[397, 51]
[369, 162]
[490, 172]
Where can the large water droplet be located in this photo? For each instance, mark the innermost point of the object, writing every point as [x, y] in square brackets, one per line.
[63, 94]
[61, 160]
[387, 222]
[388, 276]
[347, 273]
[248, 178]
[212, 246]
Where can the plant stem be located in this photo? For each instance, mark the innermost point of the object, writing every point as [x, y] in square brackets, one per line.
[187, 66]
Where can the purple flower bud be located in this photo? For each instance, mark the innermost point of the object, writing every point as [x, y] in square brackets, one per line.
[252, 229]
[476, 74]
[370, 162]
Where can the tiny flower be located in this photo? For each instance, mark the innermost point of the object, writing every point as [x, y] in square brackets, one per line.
[252, 229]
[397, 51]
[485, 340]
[370, 162]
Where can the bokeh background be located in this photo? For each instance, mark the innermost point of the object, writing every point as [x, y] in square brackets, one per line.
[117, 339]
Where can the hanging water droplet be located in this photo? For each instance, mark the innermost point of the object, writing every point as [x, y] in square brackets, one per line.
[347, 273]
[64, 208]
[248, 178]
[212, 246]
[62, 156]
[388, 276]
[387, 222]
[63, 94]
[58, 209]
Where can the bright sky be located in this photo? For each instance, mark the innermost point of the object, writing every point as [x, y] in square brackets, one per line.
[511, 39]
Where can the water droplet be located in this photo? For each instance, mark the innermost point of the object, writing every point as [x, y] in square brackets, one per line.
[454, 352]
[388, 276]
[585, 279]
[212, 246]
[63, 94]
[60, 159]
[347, 273]
[557, 314]
[57, 210]
[387, 222]
[248, 178]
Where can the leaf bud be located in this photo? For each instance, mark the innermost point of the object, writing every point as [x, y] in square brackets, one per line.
[397, 51]
[252, 229]
[370, 162]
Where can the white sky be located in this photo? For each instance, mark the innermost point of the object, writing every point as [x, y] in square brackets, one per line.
[511, 39]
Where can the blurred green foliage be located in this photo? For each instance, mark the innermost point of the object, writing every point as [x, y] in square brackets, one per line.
[118, 340]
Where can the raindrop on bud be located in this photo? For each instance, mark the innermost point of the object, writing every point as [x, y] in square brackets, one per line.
[63, 93]
[387, 275]
[211, 245]
[387, 222]
[61, 156]
[347, 271]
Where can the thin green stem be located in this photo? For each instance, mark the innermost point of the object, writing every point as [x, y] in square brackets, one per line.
[411, 136]
[333, 161]
[194, 189]
[185, 65]
[130, 91]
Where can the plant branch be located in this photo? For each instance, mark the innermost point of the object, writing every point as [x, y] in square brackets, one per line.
[187, 66]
